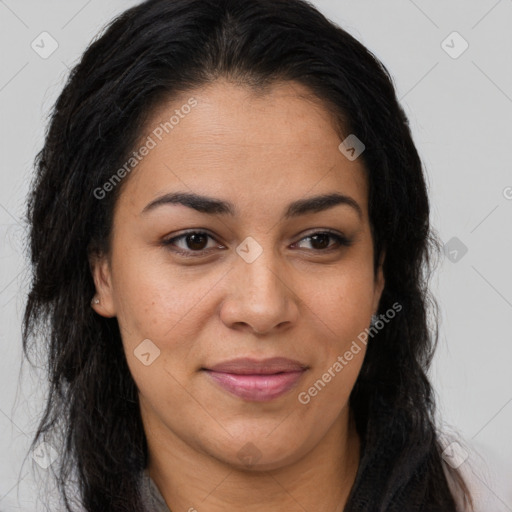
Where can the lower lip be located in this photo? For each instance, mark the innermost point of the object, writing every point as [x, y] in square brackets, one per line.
[256, 388]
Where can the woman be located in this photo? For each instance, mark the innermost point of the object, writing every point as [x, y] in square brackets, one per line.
[231, 245]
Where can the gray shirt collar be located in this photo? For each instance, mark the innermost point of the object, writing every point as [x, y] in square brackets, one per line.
[151, 496]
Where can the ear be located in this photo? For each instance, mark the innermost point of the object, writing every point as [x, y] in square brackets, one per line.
[102, 275]
[379, 282]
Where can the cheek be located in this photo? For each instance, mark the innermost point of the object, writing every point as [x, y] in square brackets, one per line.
[326, 393]
[343, 302]
[340, 308]
[170, 311]
[339, 358]
[155, 301]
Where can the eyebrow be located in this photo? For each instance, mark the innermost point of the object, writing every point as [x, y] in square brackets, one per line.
[213, 206]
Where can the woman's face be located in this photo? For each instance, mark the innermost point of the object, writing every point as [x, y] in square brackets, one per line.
[254, 282]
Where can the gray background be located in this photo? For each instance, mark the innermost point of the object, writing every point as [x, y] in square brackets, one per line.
[460, 111]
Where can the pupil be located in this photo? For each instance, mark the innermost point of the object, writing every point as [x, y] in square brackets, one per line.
[194, 241]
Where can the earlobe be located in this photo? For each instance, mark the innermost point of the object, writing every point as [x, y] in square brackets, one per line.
[102, 302]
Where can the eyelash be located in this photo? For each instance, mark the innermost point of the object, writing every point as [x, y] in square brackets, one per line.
[340, 240]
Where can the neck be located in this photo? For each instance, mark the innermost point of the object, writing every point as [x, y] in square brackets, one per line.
[321, 480]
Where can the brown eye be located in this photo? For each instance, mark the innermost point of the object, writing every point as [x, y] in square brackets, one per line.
[320, 241]
[196, 241]
[193, 243]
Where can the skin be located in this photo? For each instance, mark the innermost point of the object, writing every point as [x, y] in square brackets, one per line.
[296, 300]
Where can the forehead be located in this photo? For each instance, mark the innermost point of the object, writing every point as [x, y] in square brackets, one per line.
[280, 115]
[228, 140]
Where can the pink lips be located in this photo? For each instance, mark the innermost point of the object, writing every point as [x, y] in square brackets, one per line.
[257, 381]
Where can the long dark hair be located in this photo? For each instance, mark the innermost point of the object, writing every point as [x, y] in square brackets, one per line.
[146, 56]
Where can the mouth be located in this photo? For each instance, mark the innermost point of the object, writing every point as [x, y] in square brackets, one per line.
[257, 381]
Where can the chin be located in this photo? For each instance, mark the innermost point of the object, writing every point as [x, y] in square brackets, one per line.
[261, 453]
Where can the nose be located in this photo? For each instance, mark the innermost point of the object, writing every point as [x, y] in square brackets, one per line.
[260, 296]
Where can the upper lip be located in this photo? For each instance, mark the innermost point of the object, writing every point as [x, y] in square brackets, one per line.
[248, 366]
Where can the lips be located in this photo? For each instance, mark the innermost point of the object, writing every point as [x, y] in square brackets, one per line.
[247, 366]
[258, 381]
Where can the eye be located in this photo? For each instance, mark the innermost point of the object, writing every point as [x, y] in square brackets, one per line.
[195, 243]
[191, 242]
[320, 241]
